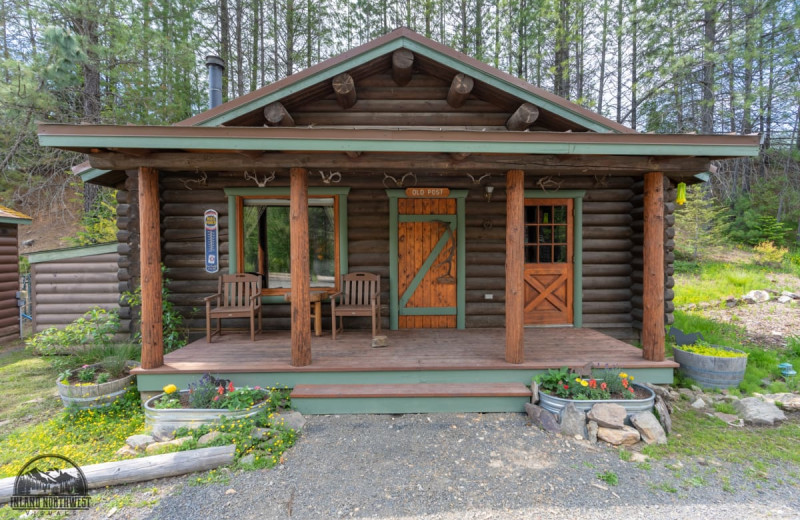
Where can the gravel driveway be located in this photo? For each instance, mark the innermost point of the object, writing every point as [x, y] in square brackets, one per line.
[473, 466]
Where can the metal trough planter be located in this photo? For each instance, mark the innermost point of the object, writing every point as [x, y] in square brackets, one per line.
[83, 397]
[712, 371]
[164, 421]
[632, 406]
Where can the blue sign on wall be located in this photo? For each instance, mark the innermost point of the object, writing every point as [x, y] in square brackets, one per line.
[212, 240]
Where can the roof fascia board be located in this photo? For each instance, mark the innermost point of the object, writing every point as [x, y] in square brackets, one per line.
[396, 143]
[14, 220]
[73, 252]
[306, 82]
[506, 86]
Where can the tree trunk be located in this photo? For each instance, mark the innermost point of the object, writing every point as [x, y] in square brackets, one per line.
[709, 67]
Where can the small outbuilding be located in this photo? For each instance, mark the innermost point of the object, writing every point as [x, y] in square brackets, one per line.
[10, 220]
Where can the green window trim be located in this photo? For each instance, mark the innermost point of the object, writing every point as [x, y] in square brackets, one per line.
[233, 223]
[461, 264]
[577, 252]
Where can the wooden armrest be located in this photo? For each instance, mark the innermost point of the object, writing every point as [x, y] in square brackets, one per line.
[209, 298]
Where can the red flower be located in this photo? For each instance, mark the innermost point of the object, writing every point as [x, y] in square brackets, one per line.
[630, 389]
[220, 390]
[216, 398]
[625, 383]
[592, 383]
[566, 387]
[230, 386]
[603, 385]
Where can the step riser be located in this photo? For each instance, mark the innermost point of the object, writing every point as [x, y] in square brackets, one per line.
[382, 405]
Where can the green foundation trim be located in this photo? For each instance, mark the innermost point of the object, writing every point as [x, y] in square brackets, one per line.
[315, 406]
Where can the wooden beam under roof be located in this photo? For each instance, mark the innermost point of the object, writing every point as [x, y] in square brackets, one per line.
[277, 115]
[460, 89]
[345, 89]
[402, 66]
[523, 118]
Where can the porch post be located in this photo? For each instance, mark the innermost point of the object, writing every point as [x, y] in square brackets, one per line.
[515, 260]
[653, 283]
[150, 260]
[300, 276]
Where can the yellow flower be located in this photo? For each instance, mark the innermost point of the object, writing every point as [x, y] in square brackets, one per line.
[584, 383]
[578, 380]
[170, 389]
[623, 375]
[631, 378]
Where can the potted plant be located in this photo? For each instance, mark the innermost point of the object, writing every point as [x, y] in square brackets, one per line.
[559, 387]
[206, 401]
[711, 366]
[95, 385]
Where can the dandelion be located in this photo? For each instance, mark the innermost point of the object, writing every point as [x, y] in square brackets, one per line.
[169, 389]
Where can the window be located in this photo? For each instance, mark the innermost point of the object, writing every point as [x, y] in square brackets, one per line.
[263, 237]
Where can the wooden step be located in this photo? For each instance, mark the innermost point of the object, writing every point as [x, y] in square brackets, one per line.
[410, 398]
[413, 390]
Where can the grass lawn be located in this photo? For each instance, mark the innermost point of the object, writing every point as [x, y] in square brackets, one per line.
[29, 389]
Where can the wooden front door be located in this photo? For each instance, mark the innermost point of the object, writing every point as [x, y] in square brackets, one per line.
[426, 269]
[548, 261]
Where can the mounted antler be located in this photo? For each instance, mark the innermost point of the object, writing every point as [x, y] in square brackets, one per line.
[334, 177]
[479, 179]
[202, 181]
[259, 183]
[399, 183]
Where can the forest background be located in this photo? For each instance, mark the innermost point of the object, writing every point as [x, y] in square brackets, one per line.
[705, 66]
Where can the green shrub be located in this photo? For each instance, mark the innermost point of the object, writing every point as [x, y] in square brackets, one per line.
[95, 328]
[174, 331]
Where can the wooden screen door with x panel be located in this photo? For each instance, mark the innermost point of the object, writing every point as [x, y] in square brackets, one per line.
[426, 267]
[549, 261]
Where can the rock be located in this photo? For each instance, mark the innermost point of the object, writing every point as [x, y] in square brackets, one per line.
[608, 415]
[158, 446]
[260, 433]
[659, 390]
[755, 411]
[788, 402]
[784, 299]
[664, 417]
[674, 396]
[732, 420]
[757, 296]
[573, 422]
[139, 442]
[731, 302]
[248, 459]
[591, 431]
[687, 393]
[627, 435]
[696, 389]
[534, 392]
[542, 418]
[127, 451]
[699, 404]
[791, 295]
[649, 428]
[166, 434]
[208, 438]
[639, 457]
[290, 420]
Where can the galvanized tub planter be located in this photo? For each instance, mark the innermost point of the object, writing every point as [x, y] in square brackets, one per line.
[164, 421]
[83, 397]
[712, 371]
[632, 406]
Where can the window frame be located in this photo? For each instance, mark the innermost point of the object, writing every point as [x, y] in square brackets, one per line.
[236, 198]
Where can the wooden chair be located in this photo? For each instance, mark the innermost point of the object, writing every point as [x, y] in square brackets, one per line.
[360, 295]
[238, 296]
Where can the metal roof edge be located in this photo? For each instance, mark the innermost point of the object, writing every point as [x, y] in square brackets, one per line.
[71, 252]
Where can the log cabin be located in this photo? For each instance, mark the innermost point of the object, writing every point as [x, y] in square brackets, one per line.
[513, 231]
[10, 220]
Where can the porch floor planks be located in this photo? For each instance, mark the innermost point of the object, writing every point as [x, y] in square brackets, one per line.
[408, 350]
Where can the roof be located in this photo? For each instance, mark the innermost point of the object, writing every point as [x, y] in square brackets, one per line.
[436, 59]
[10, 216]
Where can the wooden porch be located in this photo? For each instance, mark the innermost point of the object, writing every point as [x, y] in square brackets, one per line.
[419, 350]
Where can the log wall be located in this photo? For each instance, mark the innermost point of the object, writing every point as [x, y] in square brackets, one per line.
[9, 283]
[637, 252]
[63, 290]
[611, 210]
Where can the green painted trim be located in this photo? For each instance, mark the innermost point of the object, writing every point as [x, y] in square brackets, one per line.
[73, 252]
[557, 194]
[394, 321]
[450, 219]
[426, 266]
[232, 193]
[91, 174]
[577, 262]
[15, 220]
[155, 382]
[284, 191]
[577, 240]
[233, 236]
[428, 311]
[505, 86]
[309, 81]
[375, 405]
[461, 264]
[394, 145]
